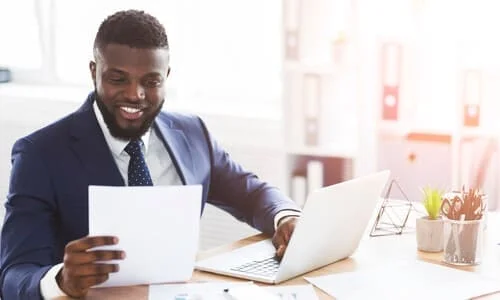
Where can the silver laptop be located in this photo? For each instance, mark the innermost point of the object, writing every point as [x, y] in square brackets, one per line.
[333, 221]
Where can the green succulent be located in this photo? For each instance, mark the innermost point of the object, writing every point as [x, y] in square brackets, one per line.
[432, 202]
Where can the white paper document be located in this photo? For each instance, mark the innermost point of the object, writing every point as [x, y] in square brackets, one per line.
[215, 291]
[157, 227]
[293, 292]
[192, 291]
[412, 280]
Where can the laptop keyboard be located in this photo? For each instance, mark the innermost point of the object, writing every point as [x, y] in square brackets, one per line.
[267, 267]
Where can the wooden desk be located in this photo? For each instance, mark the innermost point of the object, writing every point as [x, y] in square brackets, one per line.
[372, 251]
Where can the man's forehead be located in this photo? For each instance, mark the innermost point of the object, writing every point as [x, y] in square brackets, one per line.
[123, 55]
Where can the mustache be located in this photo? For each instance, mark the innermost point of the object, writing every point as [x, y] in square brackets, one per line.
[136, 105]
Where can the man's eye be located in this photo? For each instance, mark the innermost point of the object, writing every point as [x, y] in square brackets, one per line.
[153, 83]
[117, 80]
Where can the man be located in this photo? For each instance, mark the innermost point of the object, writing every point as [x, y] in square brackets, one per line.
[119, 136]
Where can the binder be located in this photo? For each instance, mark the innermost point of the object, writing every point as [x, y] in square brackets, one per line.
[314, 175]
[391, 75]
[472, 95]
[311, 103]
[341, 12]
[299, 190]
[291, 9]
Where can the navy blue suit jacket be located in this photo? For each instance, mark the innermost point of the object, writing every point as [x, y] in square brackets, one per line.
[47, 203]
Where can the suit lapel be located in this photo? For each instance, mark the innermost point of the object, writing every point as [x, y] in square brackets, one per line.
[176, 143]
[90, 146]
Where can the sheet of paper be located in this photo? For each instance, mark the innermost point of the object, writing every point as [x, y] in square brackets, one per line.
[214, 291]
[293, 292]
[157, 227]
[411, 280]
[191, 291]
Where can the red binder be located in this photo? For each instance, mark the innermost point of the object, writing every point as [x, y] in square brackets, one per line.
[391, 75]
[472, 94]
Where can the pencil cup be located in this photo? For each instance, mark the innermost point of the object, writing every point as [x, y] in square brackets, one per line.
[463, 242]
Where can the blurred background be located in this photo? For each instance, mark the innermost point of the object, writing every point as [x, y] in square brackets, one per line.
[303, 93]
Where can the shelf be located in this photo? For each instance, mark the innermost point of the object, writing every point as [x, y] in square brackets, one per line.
[397, 130]
[324, 151]
[479, 132]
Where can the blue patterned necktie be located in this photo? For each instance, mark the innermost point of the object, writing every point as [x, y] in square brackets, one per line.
[138, 172]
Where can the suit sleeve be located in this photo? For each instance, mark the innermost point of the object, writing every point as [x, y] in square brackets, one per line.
[28, 232]
[242, 193]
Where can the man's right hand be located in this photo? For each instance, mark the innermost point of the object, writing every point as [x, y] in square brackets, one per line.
[82, 270]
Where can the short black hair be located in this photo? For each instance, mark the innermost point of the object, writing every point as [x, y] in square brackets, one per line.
[133, 28]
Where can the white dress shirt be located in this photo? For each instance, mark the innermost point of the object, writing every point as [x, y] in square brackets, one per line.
[162, 170]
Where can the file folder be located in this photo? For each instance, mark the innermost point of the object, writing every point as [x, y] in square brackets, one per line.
[315, 171]
[311, 103]
[291, 9]
[391, 74]
[472, 98]
[299, 190]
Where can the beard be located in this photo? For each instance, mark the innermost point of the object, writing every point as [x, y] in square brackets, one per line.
[125, 133]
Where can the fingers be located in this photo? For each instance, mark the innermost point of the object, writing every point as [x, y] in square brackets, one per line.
[280, 242]
[90, 242]
[79, 258]
[92, 270]
[277, 240]
[286, 234]
[282, 238]
[280, 252]
[75, 280]
[82, 268]
[282, 235]
[89, 281]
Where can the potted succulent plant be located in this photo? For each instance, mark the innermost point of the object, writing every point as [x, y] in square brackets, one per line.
[430, 227]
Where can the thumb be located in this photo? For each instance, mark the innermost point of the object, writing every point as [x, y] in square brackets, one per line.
[280, 252]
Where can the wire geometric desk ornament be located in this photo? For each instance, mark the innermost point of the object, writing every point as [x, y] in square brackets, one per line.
[393, 214]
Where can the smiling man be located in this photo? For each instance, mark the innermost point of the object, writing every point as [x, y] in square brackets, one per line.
[120, 136]
[130, 90]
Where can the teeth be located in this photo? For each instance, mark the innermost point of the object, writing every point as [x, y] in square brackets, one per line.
[130, 110]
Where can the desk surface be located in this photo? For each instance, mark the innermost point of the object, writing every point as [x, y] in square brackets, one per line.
[372, 251]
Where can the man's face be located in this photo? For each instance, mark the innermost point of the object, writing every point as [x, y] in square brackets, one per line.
[130, 87]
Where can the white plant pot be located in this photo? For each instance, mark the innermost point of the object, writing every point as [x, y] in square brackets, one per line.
[430, 234]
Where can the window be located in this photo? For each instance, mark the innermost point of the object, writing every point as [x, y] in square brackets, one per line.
[225, 55]
[223, 52]
[16, 39]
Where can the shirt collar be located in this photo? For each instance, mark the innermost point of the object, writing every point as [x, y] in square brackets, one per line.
[117, 146]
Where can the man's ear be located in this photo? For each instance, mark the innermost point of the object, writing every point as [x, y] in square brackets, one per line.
[92, 67]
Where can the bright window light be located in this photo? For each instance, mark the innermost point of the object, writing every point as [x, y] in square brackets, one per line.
[222, 51]
[19, 35]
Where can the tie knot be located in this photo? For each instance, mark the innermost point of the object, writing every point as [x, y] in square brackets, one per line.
[133, 148]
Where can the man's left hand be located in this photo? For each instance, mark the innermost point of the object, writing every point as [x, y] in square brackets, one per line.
[281, 237]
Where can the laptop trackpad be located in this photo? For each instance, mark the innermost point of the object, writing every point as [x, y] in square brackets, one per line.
[259, 251]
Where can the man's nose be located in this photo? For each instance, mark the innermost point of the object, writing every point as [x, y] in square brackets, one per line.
[136, 92]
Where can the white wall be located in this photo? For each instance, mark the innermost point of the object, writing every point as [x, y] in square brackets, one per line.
[255, 143]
